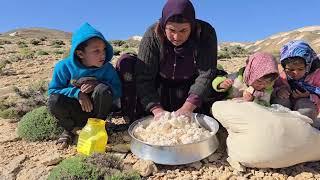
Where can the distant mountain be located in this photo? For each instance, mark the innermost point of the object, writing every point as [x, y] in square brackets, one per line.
[272, 44]
[38, 33]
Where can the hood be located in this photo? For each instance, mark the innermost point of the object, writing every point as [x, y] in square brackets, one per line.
[85, 32]
[259, 64]
[297, 49]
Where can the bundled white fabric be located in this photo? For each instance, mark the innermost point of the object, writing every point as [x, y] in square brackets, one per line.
[267, 137]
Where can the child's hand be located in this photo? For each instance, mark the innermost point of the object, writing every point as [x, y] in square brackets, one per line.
[247, 96]
[283, 93]
[226, 84]
[88, 86]
[297, 94]
[85, 102]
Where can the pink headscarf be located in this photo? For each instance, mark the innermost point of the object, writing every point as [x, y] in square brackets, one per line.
[259, 64]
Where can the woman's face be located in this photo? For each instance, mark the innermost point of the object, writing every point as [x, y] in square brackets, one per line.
[177, 33]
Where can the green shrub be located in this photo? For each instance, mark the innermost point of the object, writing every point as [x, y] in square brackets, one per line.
[232, 51]
[42, 53]
[44, 38]
[9, 113]
[38, 124]
[26, 53]
[58, 52]
[35, 42]
[124, 176]
[96, 166]
[57, 42]
[73, 168]
[223, 55]
[57, 46]
[117, 51]
[22, 44]
[3, 64]
[117, 42]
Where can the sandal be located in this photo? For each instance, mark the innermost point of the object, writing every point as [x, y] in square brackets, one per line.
[65, 139]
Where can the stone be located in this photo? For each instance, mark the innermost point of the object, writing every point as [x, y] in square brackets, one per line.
[126, 138]
[197, 165]
[145, 167]
[214, 157]
[122, 148]
[130, 159]
[236, 165]
[120, 155]
[50, 160]
[12, 169]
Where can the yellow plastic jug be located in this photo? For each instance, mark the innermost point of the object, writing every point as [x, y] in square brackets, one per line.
[93, 137]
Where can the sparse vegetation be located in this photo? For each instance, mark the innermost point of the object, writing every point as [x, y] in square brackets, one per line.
[3, 64]
[58, 52]
[38, 125]
[57, 46]
[117, 42]
[57, 42]
[9, 113]
[116, 51]
[35, 42]
[94, 167]
[4, 41]
[232, 51]
[44, 38]
[22, 44]
[26, 53]
[33, 97]
[42, 53]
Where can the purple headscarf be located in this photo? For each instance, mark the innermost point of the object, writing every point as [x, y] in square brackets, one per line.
[177, 7]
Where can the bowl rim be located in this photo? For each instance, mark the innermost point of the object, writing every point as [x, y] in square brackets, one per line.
[135, 123]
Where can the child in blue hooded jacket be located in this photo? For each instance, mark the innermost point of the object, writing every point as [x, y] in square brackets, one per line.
[84, 84]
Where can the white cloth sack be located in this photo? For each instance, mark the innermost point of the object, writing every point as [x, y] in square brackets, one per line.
[265, 137]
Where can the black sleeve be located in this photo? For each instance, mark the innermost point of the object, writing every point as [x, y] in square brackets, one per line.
[146, 69]
[206, 61]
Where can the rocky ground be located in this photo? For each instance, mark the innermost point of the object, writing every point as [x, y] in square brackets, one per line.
[34, 160]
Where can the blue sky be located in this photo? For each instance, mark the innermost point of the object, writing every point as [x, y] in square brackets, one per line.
[234, 20]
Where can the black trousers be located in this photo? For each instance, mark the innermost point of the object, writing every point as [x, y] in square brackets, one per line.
[68, 110]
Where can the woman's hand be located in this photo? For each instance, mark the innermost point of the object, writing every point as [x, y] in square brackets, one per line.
[226, 84]
[186, 109]
[85, 102]
[297, 94]
[157, 113]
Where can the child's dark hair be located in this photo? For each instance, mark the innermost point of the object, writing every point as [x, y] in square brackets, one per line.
[293, 60]
[271, 76]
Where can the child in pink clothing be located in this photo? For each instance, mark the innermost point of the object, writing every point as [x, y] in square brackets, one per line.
[298, 87]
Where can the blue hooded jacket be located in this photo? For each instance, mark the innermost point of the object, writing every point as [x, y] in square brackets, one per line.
[70, 69]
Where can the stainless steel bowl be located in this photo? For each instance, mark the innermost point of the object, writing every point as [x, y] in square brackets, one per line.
[177, 154]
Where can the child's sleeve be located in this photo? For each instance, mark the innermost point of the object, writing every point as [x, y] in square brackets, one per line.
[60, 81]
[218, 80]
[114, 82]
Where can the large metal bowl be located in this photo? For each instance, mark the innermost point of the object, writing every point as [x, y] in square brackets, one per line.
[177, 154]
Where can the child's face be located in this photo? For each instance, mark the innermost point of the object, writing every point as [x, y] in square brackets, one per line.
[94, 53]
[295, 70]
[261, 84]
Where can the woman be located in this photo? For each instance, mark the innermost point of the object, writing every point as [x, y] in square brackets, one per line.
[175, 65]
